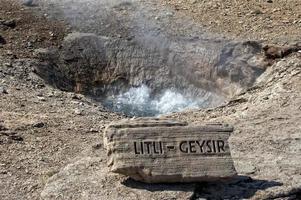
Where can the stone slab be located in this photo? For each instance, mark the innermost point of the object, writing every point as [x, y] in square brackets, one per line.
[155, 150]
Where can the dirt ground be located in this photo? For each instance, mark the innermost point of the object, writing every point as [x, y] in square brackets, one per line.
[30, 31]
[42, 128]
[275, 21]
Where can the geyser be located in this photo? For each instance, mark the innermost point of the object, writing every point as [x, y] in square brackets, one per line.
[139, 101]
[137, 60]
[146, 81]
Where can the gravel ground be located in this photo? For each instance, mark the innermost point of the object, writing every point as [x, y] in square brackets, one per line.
[275, 21]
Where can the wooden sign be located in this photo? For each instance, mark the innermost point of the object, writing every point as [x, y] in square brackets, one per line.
[153, 150]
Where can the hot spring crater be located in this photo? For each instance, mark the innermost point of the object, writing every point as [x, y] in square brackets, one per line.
[139, 78]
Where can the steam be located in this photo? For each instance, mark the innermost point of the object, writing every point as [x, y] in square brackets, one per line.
[171, 41]
[139, 102]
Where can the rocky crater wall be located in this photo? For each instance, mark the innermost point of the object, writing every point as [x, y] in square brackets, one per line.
[126, 44]
[97, 65]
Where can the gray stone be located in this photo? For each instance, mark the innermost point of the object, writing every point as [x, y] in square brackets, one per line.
[156, 150]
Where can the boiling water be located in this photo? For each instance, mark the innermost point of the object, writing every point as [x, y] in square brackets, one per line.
[139, 102]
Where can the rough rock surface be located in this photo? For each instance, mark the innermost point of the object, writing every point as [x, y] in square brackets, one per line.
[143, 40]
[266, 143]
[155, 150]
[88, 178]
[96, 66]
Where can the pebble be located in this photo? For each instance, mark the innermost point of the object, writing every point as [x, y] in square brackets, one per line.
[78, 112]
[42, 98]
[257, 12]
[72, 95]
[3, 172]
[3, 90]
[8, 64]
[3, 128]
[93, 130]
[2, 40]
[246, 168]
[96, 146]
[39, 125]
[28, 2]
[16, 138]
[29, 44]
[9, 23]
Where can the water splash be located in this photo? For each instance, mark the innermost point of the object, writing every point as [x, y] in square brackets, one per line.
[139, 102]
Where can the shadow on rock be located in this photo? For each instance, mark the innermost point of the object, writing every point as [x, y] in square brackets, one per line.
[242, 187]
[155, 187]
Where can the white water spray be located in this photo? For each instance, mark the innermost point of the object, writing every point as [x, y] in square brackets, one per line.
[139, 102]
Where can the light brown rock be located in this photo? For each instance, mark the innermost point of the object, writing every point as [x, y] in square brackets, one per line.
[154, 150]
[88, 178]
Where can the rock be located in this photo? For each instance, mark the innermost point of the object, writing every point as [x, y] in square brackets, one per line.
[28, 2]
[2, 127]
[155, 150]
[246, 168]
[274, 52]
[93, 130]
[39, 125]
[3, 90]
[97, 65]
[89, 179]
[2, 40]
[40, 94]
[16, 138]
[29, 44]
[257, 12]
[8, 23]
[96, 146]
[41, 98]
[78, 112]
[8, 64]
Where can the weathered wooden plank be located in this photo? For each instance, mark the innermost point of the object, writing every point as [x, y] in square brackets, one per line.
[155, 150]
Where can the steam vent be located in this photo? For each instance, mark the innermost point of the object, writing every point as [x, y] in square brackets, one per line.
[138, 66]
[147, 80]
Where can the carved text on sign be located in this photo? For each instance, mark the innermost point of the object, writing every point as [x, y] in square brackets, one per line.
[187, 146]
[158, 150]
